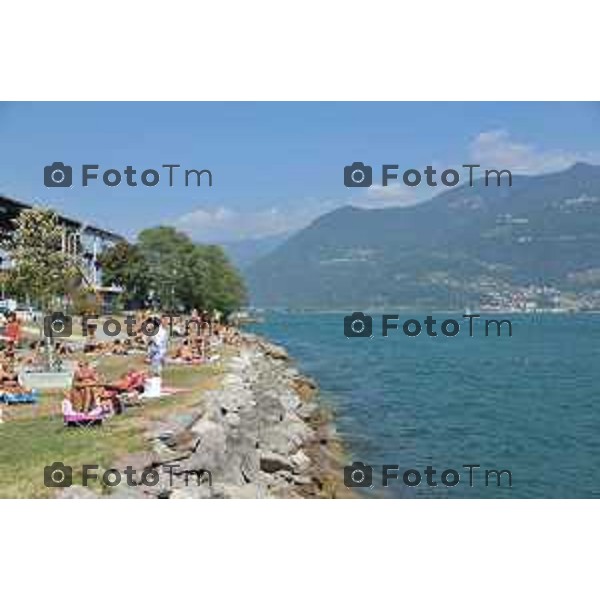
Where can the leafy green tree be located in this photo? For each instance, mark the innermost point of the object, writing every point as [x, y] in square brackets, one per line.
[42, 271]
[166, 264]
[165, 252]
[194, 281]
[224, 288]
[123, 265]
[187, 275]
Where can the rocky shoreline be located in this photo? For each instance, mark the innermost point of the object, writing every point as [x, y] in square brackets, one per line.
[261, 434]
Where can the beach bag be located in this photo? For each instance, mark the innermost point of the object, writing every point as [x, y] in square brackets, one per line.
[152, 387]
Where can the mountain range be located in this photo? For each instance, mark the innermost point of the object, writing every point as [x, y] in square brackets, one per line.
[543, 230]
[244, 253]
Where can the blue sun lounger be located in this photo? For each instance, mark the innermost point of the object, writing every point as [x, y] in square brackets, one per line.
[20, 397]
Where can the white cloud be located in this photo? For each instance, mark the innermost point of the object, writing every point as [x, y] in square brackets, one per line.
[222, 224]
[379, 196]
[492, 149]
[498, 150]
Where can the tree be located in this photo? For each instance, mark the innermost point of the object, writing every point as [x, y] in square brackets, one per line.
[194, 281]
[166, 252]
[86, 301]
[224, 288]
[123, 265]
[42, 271]
[178, 272]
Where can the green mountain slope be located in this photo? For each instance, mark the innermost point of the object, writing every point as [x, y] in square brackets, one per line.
[444, 252]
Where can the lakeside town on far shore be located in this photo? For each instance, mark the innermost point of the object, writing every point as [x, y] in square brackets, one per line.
[538, 298]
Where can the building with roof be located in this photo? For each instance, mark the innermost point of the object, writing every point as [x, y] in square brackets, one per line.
[83, 241]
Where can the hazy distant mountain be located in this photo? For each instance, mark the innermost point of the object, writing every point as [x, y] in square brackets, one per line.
[246, 252]
[543, 229]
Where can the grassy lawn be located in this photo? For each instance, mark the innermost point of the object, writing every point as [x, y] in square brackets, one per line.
[34, 436]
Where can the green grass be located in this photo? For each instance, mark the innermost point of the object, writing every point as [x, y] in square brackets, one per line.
[34, 436]
[29, 445]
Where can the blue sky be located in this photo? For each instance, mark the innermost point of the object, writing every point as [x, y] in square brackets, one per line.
[276, 166]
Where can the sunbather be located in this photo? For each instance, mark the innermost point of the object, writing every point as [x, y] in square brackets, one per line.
[132, 381]
[8, 376]
[188, 352]
[87, 388]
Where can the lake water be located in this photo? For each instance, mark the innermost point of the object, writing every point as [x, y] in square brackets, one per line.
[527, 403]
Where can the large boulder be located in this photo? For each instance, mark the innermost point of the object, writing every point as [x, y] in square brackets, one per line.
[274, 351]
[211, 448]
[300, 462]
[305, 387]
[287, 436]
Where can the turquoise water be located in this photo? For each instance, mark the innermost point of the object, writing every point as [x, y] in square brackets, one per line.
[527, 403]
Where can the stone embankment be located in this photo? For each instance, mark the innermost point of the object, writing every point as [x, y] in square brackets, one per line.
[261, 434]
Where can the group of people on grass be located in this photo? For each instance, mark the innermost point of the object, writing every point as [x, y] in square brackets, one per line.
[163, 339]
[192, 339]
